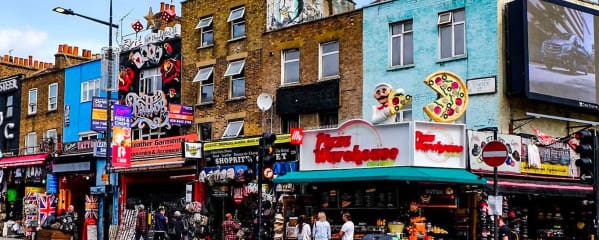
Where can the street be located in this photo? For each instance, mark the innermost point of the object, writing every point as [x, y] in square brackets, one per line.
[559, 82]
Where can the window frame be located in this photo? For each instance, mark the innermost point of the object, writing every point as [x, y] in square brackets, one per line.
[289, 121]
[52, 99]
[451, 24]
[233, 79]
[154, 80]
[32, 106]
[205, 82]
[9, 107]
[230, 125]
[234, 21]
[30, 149]
[205, 29]
[86, 87]
[201, 126]
[402, 43]
[328, 115]
[284, 63]
[85, 136]
[321, 55]
[230, 66]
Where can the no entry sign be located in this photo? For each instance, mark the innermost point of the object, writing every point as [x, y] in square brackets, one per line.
[494, 153]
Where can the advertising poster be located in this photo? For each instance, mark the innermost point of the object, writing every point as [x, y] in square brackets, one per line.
[476, 142]
[121, 136]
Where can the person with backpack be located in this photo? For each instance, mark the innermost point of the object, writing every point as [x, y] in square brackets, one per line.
[303, 229]
[505, 233]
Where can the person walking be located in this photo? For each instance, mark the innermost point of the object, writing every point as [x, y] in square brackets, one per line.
[347, 230]
[141, 224]
[322, 228]
[505, 233]
[303, 228]
[230, 227]
[160, 224]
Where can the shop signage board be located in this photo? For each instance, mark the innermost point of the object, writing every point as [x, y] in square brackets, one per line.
[356, 144]
[478, 139]
[245, 151]
[79, 147]
[554, 160]
[99, 106]
[162, 147]
[193, 150]
[441, 145]
[121, 136]
[180, 115]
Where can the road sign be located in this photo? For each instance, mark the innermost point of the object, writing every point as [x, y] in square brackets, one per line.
[494, 153]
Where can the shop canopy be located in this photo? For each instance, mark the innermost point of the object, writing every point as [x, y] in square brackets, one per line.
[418, 174]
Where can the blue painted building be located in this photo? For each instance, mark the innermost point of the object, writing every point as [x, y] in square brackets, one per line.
[82, 83]
[405, 41]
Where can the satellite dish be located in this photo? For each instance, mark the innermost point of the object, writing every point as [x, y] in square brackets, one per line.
[264, 101]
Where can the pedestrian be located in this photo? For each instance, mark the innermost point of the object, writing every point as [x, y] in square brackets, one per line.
[505, 233]
[230, 227]
[347, 230]
[160, 224]
[69, 222]
[177, 226]
[303, 228]
[141, 224]
[322, 228]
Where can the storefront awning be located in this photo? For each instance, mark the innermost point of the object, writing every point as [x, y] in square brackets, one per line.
[25, 160]
[154, 164]
[419, 174]
[542, 187]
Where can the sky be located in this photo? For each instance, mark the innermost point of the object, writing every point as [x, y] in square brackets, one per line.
[30, 27]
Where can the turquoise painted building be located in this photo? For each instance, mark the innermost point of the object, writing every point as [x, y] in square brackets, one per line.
[405, 41]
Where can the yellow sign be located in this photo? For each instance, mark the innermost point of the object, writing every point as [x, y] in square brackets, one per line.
[453, 97]
[34, 190]
[247, 142]
[546, 169]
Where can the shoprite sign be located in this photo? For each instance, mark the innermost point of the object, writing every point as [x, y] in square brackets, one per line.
[245, 151]
[359, 144]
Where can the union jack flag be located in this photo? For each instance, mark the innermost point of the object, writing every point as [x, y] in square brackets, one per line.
[47, 204]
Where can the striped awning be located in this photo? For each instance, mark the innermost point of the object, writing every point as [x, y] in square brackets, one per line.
[24, 160]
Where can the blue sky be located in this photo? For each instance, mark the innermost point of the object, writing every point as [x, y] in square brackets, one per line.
[30, 27]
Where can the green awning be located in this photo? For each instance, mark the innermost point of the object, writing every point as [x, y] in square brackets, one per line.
[418, 174]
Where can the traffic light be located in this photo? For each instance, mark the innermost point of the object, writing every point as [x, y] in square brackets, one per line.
[586, 149]
[267, 154]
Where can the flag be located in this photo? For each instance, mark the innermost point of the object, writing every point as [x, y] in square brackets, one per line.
[47, 204]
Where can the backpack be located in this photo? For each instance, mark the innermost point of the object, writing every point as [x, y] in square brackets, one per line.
[513, 235]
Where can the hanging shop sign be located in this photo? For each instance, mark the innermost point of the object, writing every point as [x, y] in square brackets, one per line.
[297, 135]
[99, 106]
[193, 150]
[245, 151]
[121, 136]
[162, 147]
[99, 149]
[478, 139]
[439, 145]
[356, 144]
[553, 159]
[180, 115]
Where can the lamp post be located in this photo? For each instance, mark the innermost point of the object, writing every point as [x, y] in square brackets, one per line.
[109, 81]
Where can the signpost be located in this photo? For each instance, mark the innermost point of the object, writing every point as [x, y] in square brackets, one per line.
[494, 154]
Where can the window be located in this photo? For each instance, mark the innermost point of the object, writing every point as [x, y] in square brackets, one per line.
[32, 101]
[52, 96]
[452, 34]
[30, 143]
[289, 121]
[402, 44]
[206, 31]
[291, 65]
[205, 131]
[90, 89]
[328, 119]
[237, 22]
[235, 71]
[51, 136]
[88, 136]
[206, 80]
[405, 114]
[9, 105]
[234, 129]
[329, 59]
[150, 81]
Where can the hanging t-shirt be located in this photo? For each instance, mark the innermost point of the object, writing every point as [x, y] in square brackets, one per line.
[11, 195]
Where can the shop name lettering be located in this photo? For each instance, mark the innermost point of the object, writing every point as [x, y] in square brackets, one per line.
[425, 143]
[161, 35]
[158, 142]
[151, 111]
[7, 128]
[8, 85]
[325, 143]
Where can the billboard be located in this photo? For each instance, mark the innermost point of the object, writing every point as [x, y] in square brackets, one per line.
[552, 57]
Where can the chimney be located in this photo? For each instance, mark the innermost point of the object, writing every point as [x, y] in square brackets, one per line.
[21, 61]
[173, 8]
[26, 62]
[5, 59]
[30, 60]
[36, 64]
[70, 50]
[60, 48]
[162, 7]
[76, 51]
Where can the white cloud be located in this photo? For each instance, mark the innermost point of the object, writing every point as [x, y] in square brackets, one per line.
[23, 42]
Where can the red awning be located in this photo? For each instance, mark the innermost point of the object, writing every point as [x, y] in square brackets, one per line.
[25, 160]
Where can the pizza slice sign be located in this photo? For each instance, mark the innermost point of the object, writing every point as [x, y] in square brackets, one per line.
[453, 97]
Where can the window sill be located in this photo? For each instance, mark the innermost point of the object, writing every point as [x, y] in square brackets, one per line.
[291, 84]
[204, 104]
[334, 77]
[52, 111]
[236, 39]
[234, 99]
[205, 46]
[400, 67]
[451, 59]
[31, 114]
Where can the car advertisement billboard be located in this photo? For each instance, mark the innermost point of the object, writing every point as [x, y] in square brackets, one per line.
[558, 46]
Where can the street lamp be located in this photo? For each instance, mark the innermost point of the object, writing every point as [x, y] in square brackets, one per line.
[109, 81]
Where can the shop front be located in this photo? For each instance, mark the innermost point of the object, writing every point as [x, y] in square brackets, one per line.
[541, 193]
[405, 179]
[158, 176]
[230, 174]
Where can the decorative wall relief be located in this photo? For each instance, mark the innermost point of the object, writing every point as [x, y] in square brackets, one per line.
[148, 110]
[284, 13]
